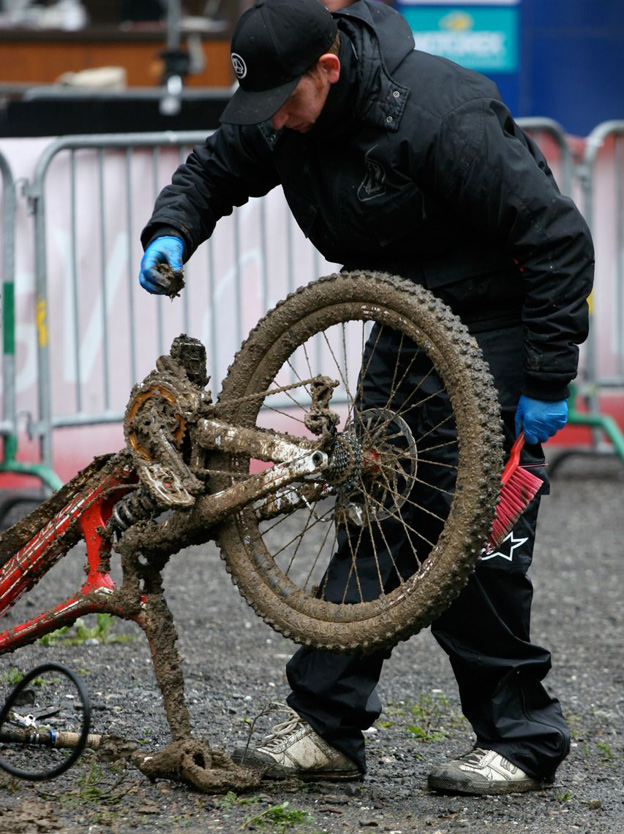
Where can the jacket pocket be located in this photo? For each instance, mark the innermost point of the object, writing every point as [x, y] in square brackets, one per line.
[401, 213]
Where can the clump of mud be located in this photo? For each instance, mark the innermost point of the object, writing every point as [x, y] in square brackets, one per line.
[196, 763]
[172, 280]
[114, 749]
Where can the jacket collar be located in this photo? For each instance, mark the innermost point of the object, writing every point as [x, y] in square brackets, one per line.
[381, 39]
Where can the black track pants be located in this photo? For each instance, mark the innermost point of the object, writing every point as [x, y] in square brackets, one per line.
[485, 631]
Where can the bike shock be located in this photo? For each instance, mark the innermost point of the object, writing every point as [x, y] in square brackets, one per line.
[136, 506]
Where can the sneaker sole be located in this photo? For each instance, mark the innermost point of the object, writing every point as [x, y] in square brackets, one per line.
[451, 785]
[276, 772]
[313, 775]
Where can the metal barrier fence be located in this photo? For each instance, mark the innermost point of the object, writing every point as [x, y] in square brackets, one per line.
[9, 422]
[95, 327]
[98, 333]
[552, 139]
[8, 425]
[80, 269]
[602, 203]
[581, 177]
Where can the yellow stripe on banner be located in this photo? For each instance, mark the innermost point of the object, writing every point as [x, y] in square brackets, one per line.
[590, 302]
[42, 322]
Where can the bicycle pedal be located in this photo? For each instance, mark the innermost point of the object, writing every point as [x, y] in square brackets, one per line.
[22, 720]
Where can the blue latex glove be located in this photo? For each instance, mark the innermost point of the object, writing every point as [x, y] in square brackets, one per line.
[540, 419]
[162, 250]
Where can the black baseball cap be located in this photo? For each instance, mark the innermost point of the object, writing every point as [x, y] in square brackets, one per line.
[274, 43]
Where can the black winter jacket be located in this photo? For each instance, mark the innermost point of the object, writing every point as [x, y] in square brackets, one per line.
[417, 168]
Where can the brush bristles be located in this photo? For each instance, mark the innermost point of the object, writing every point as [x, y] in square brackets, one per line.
[514, 498]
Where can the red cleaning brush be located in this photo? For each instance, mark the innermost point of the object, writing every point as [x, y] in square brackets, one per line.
[519, 487]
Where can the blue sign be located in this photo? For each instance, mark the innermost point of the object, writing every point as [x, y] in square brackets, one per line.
[483, 38]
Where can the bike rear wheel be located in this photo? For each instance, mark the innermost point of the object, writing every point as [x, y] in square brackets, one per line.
[381, 549]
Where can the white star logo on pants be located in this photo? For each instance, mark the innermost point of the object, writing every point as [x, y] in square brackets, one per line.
[513, 544]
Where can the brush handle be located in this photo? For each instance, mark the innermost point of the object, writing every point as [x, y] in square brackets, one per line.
[514, 459]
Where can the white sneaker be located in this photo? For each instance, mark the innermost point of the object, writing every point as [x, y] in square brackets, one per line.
[482, 772]
[295, 749]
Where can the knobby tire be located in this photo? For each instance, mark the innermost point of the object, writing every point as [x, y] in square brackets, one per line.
[291, 603]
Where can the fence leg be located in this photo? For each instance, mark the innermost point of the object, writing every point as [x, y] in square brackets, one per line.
[39, 470]
[595, 421]
[10, 442]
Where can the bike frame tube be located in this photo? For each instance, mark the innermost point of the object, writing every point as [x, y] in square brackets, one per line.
[96, 601]
[221, 436]
[89, 511]
[270, 481]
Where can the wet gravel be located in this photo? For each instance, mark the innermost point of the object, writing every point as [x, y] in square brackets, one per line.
[234, 668]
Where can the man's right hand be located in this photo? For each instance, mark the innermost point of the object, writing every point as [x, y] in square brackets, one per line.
[162, 251]
[540, 419]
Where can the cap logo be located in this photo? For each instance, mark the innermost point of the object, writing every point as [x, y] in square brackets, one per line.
[240, 67]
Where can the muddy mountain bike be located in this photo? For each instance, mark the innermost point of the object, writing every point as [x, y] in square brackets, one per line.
[348, 471]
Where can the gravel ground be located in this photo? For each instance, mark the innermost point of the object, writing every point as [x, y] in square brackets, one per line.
[234, 667]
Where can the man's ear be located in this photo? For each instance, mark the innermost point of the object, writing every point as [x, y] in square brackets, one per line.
[329, 64]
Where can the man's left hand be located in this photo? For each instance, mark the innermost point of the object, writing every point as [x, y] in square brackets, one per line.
[540, 419]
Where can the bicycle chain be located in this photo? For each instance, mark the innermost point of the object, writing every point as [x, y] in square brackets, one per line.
[269, 392]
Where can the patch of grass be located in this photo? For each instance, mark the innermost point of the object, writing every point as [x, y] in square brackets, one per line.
[80, 632]
[605, 752]
[430, 717]
[12, 676]
[145, 736]
[574, 723]
[564, 797]
[92, 789]
[232, 800]
[278, 818]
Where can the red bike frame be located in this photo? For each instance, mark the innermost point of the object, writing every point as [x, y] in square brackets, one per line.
[85, 515]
